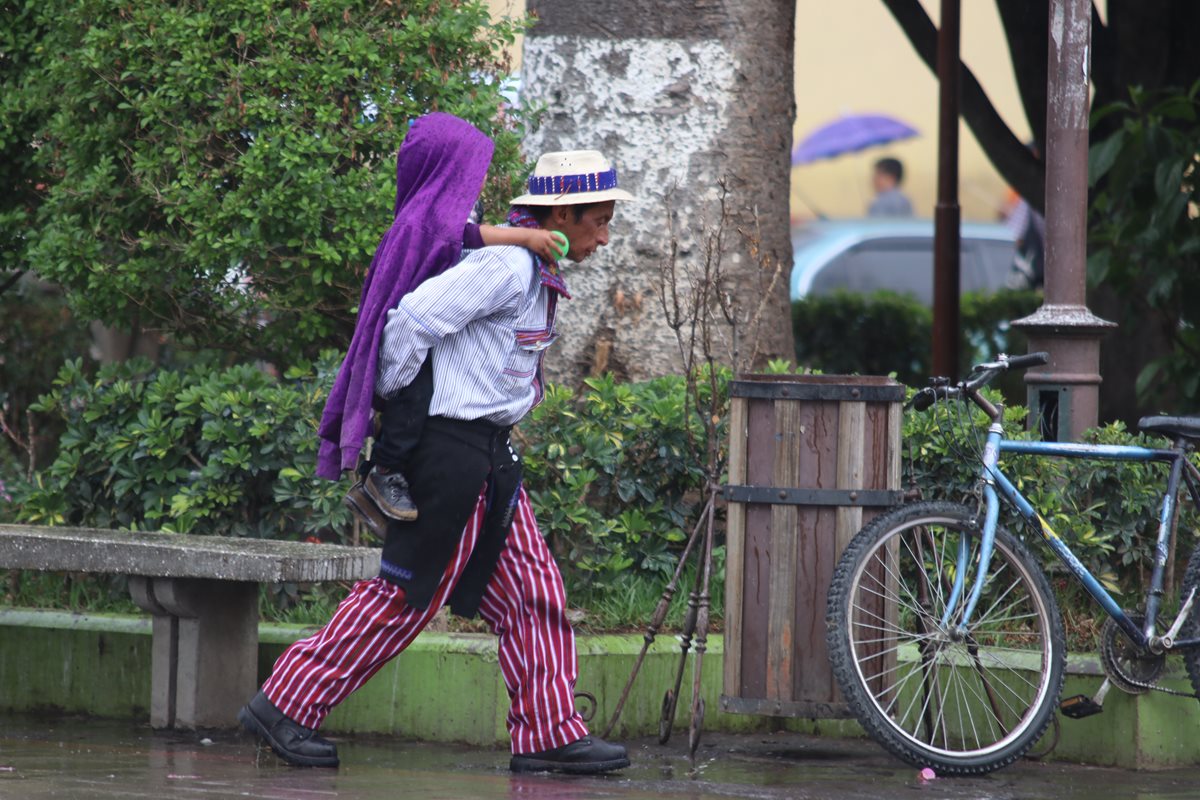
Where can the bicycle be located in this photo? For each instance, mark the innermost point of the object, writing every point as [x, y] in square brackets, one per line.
[944, 635]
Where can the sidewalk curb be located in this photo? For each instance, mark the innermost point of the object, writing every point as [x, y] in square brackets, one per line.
[446, 688]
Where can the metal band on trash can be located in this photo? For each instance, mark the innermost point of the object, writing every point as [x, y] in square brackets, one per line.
[771, 495]
[893, 393]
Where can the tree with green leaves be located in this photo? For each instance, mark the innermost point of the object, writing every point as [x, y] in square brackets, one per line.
[20, 38]
[1145, 234]
[1136, 44]
[222, 172]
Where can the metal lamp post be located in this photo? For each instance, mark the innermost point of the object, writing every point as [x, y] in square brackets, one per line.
[1063, 396]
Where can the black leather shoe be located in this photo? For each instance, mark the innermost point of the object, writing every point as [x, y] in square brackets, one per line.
[291, 741]
[586, 756]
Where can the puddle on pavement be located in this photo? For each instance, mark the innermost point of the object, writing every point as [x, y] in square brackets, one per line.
[73, 758]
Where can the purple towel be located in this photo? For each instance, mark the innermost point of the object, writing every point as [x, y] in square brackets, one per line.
[439, 173]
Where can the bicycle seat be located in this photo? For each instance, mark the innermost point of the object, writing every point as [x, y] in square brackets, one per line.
[1173, 427]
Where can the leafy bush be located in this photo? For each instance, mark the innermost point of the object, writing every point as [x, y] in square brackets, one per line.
[848, 333]
[231, 451]
[611, 476]
[626, 602]
[225, 451]
[38, 334]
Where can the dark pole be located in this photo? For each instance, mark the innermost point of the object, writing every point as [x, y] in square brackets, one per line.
[947, 215]
[1066, 153]
[1064, 394]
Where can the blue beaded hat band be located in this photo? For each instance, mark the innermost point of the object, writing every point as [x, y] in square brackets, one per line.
[572, 177]
[566, 184]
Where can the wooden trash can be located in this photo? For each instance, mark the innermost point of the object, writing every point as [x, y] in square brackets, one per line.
[812, 458]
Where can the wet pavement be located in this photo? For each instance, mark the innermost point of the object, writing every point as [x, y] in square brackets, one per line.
[71, 758]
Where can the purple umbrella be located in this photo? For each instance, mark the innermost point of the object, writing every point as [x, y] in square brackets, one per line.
[850, 134]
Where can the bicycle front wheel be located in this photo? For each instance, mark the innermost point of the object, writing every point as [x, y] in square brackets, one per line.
[964, 700]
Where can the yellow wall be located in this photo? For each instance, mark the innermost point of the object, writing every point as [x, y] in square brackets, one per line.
[851, 57]
[510, 8]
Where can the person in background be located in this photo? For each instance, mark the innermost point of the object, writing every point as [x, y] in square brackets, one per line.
[889, 201]
[1028, 228]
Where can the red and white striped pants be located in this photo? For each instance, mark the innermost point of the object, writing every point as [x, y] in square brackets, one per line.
[524, 603]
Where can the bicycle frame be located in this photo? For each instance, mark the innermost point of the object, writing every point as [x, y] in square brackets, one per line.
[997, 484]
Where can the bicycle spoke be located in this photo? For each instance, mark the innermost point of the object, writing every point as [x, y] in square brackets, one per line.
[873, 613]
[928, 685]
[914, 608]
[901, 684]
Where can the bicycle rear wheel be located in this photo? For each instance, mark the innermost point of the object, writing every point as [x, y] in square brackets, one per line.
[1191, 627]
[963, 702]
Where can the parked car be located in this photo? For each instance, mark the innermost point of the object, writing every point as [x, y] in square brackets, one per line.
[865, 255]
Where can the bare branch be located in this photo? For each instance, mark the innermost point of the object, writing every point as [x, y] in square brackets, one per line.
[715, 318]
[11, 281]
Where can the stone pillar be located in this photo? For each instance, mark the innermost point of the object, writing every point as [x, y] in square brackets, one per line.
[1064, 394]
[205, 652]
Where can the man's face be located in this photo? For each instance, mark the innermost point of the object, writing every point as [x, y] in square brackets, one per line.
[588, 232]
[881, 181]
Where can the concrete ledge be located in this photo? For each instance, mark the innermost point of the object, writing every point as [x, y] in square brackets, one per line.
[447, 687]
[170, 555]
[1147, 731]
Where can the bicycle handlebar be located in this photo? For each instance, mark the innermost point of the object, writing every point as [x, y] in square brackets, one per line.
[1030, 360]
[982, 375]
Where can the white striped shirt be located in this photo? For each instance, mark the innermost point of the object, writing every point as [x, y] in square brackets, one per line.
[488, 321]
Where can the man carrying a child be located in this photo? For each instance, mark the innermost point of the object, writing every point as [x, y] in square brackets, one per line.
[474, 336]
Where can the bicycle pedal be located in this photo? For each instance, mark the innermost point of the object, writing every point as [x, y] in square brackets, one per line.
[1079, 706]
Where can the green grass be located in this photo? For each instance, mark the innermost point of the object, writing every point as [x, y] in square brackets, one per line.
[627, 604]
[66, 591]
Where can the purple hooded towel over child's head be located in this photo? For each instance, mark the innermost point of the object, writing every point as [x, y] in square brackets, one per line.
[439, 173]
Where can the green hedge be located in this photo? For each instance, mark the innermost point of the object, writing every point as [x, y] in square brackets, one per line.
[848, 333]
[232, 450]
[38, 333]
[609, 474]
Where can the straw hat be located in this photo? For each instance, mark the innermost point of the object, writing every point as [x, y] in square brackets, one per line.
[570, 178]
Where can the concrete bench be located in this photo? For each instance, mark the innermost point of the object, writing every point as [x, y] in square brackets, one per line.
[203, 593]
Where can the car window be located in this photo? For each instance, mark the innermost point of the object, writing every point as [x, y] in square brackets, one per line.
[899, 265]
[996, 259]
[905, 265]
[970, 266]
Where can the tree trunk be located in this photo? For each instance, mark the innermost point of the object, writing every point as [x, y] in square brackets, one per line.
[679, 95]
